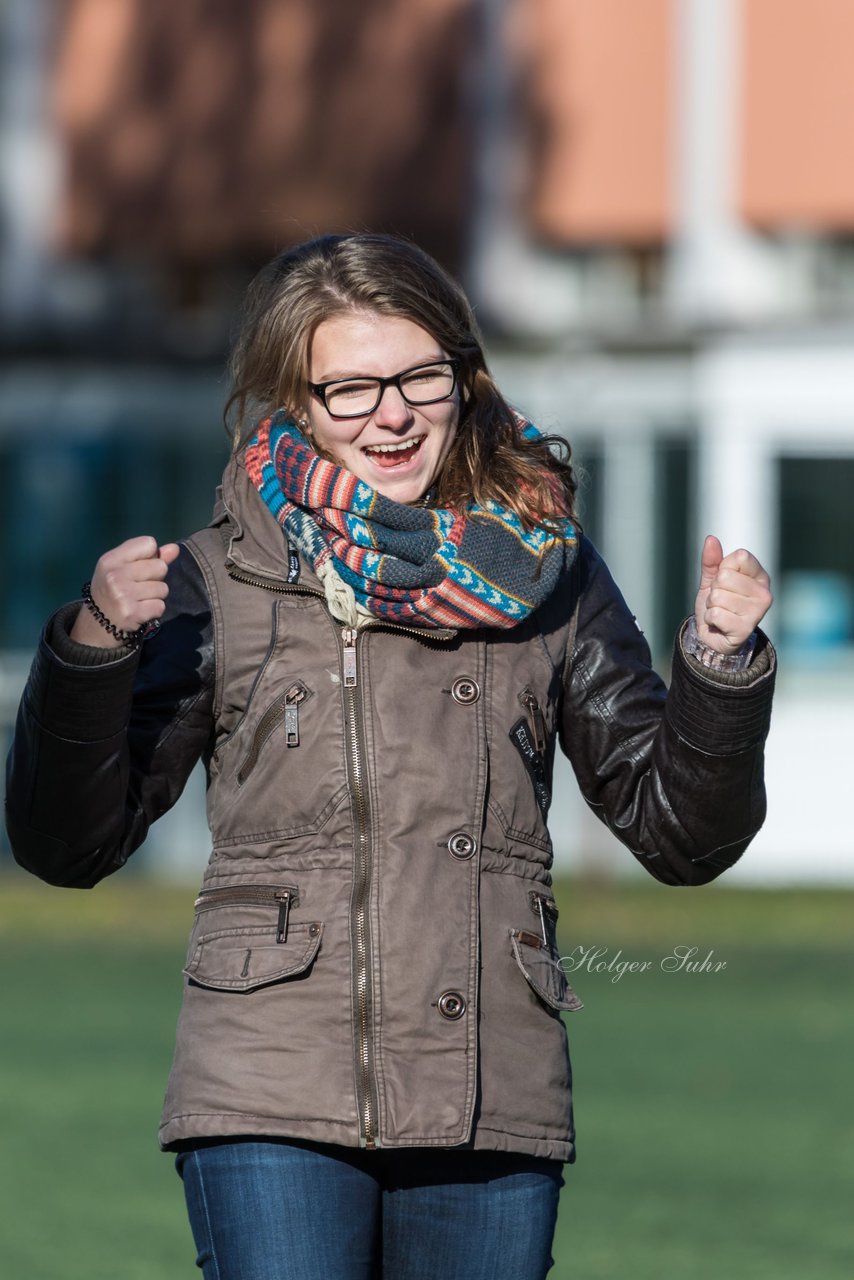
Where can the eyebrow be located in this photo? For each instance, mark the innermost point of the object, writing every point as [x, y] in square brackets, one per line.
[346, 375]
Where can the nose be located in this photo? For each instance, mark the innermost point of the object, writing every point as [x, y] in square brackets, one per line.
[392, 410]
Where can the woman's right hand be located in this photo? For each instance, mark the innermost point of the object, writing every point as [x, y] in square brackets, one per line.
[129, 587]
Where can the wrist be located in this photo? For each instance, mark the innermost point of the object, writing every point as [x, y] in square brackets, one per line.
[712, 659]
[86, 630]
[123, 638]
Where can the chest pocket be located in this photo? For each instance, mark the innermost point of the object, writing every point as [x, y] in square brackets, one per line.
[282, 715]
[279, 772]
[521, 762]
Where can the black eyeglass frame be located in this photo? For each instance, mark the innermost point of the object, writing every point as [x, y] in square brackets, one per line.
[320, 389]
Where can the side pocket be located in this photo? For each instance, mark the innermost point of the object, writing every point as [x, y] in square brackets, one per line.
[542, 970]
[536, 954]
[243, 938]
[248, 958]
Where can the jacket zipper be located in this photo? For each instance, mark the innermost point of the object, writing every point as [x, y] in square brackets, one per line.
[420, 633]
[251, 895]
[538, 724]
[363, 840]
[288, 704]
[361, 886]
[270, 584]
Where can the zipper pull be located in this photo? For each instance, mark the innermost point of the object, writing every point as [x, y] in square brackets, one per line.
[543, 906]
[284, 900]
[294, 696]
[538, 724]
[542, 920]
[349, 637]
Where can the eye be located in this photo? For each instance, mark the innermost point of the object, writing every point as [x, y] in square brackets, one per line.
[434, 377]
[353, 389]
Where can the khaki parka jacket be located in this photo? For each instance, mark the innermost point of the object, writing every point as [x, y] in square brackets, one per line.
[373, 958]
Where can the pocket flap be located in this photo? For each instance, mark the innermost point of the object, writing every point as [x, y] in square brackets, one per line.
[242, 959]
[543, 970]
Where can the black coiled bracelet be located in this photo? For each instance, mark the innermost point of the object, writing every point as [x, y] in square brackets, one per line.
[132, 638]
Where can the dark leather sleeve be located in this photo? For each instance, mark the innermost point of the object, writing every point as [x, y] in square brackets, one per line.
[106, 739]
[678, 776]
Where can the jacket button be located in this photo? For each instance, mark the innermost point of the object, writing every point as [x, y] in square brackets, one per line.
[452, 1005]
[461, 845]
[465, 690]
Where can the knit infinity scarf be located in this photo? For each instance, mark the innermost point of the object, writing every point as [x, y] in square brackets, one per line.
[418, 566]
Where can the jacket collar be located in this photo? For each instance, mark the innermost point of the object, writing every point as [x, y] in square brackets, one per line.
[257, 543]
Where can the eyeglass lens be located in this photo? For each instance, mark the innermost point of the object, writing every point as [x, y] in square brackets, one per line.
[362, 395]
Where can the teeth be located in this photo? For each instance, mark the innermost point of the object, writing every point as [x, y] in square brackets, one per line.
[394, 448]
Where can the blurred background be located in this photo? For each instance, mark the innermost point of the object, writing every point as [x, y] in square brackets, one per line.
[656, 228]
[651, 203]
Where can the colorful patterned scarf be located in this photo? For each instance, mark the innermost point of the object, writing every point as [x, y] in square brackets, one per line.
[412, 565]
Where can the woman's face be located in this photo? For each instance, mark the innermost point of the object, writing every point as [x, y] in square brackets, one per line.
[363, 344]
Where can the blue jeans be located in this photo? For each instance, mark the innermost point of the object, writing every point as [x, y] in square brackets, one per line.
[276, 1209]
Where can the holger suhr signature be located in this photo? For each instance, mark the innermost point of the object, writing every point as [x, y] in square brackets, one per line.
[682, 959]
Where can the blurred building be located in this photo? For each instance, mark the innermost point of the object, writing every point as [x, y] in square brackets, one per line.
[650, 203]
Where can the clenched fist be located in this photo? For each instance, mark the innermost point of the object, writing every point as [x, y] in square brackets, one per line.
[734, 595]
[129, 586]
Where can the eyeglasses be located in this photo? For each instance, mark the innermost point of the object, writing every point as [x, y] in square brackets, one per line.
[357, 397]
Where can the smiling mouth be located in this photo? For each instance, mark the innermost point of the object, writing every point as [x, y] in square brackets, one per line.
[388, 456]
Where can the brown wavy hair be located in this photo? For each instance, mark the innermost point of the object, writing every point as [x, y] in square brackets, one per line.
[489, 460]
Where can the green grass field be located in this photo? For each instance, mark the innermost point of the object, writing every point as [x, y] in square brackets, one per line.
[716, 1133]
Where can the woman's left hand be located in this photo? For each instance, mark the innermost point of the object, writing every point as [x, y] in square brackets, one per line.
[734, 595]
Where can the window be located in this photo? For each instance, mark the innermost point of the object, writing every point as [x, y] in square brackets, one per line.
[816, 542]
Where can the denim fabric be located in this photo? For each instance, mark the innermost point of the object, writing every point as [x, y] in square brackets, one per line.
[276, 1209]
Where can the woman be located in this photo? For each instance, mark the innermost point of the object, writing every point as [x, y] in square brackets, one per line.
[374, 647]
